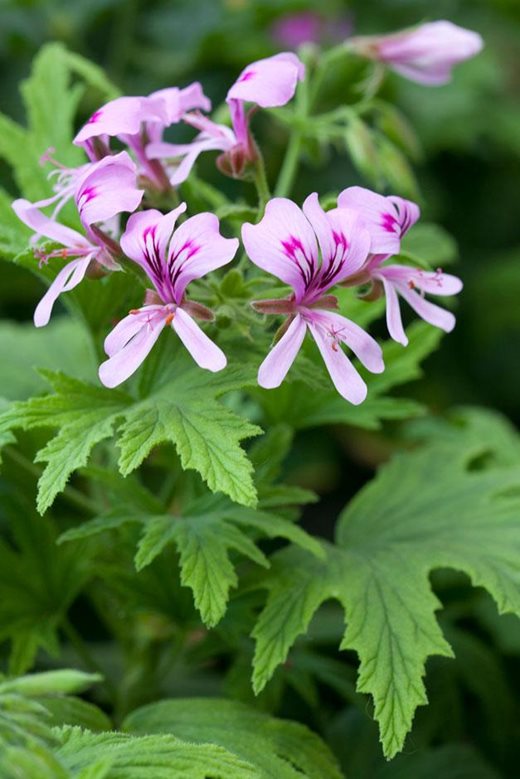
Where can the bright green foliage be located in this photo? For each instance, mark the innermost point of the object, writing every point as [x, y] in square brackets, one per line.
[183, 411]
[206, 534]
[425, 510]
[277, 749]
[293, 405]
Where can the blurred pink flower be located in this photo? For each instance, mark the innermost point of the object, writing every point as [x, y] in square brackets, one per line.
[292, 30]
[285, 243]
[425, 54]
[171, 258]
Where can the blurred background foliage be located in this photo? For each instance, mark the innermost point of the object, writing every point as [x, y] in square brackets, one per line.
[467, 162]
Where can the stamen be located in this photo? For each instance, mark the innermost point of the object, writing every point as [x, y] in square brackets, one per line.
[170, 318]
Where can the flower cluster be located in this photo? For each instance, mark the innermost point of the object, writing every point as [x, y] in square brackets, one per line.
[309, 249]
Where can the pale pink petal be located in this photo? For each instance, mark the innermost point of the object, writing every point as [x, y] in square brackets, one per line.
[123, 116]
[68, 278]
[393, 313]
[346, 379]
[434, 283]
[339, 328]
[196, 248]
[33, 217]
[269, 82]
[205, 353]
[283, 243]
[108, 189]
[125, 362]
[430, 312]
[178, 101]
[344, 242]
[125, 330]
[386, 218]
[274, 368]
[188, 154]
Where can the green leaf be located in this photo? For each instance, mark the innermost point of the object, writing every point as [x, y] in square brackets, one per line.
[276, 748]
[63, 682]
[147, 757]
[292, 404]
[425, 510]
[429, 245]
[183, 411]
[205, 537]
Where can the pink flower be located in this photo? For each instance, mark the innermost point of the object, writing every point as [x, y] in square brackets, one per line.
[108, 189]
[268, 83]
[294, 29]
[171, 258]
[388, 219]
[285, 243]
[425, 54]
[138, 121]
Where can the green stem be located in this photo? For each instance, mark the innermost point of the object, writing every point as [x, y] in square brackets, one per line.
[73, 495]
[292, 155]
[262, 187]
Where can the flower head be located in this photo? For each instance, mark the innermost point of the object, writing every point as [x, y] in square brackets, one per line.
[171, 258]
[287, 243]
[107, 189]
[387, 220]
[425, 54]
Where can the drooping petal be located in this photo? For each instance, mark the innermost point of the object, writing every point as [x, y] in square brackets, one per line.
[125, 330]
[205, 353]
[109, 188]
[187, 153]
[196, 248]
[345, 378]
[33, 217]
[344, 242]
[178, 101]
[393, 313]
[283, 243]
[146, 240]
[123, 116]
[274, 368]
[68, 278]
[123, 363]
[269, 82]
[339, 328]
[386, 218]
[430, 312]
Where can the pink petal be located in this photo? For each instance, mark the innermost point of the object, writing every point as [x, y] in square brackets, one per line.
[68, 278]
[205, 353]
[123, 116]
[196, 248]
[366, 348]
[32, 217]
[109, 188]
[386, 218]
[188, 151]
[274, 368]
[393, 313]
[346, 379]
[269, 82]
[127, 328]
[283, 243]
[430, 312]
[343, 239]
[126, 361]
[178, 101]
[434, 283]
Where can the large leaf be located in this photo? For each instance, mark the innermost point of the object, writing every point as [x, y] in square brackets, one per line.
[427, 509]
[184, 411]
[278, 749]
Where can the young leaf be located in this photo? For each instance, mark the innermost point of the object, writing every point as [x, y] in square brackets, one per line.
[276, 748]
[425, 510]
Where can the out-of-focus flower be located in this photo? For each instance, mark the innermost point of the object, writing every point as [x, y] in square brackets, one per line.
[108, 189]
[171, 258]
[388, 219]
[425, 54]
[285, 243]
[138, 121]
[292, 30]
[268, 83]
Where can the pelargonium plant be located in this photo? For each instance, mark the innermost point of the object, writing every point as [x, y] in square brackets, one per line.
[213, 320]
